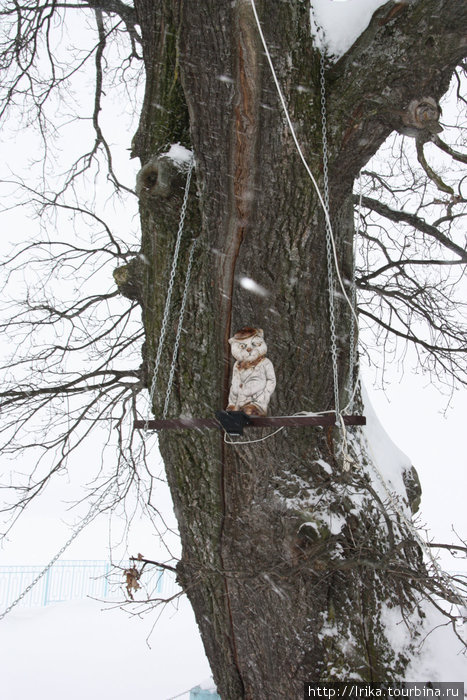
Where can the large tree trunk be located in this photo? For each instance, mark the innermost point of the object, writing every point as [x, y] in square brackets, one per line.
[283, 551]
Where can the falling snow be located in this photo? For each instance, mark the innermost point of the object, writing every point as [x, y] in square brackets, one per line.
[252, 286]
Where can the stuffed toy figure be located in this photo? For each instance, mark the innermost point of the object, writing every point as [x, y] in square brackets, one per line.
[253, 378]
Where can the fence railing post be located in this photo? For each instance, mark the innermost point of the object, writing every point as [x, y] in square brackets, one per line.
[46, 587]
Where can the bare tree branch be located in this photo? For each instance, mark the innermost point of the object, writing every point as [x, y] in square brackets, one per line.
[416, 222]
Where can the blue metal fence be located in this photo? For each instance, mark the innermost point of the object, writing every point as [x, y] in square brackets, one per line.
[69, 580]
[199, 693]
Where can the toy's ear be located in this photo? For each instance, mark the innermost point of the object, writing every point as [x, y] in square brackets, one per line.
[260, 332]
[231, 340]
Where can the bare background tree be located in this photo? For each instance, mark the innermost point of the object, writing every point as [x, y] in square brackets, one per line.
[413, 234]
[280, 596]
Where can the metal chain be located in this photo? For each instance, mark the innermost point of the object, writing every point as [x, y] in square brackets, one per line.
[352, 384]
[353, 347]
[81, 526]
[168, 298]
[179, 330]
[329, 251]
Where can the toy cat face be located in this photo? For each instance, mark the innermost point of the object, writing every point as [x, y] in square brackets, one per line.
[247, 349]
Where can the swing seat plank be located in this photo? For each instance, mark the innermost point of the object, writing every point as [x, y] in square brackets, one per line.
[324, 420]
[177, 423]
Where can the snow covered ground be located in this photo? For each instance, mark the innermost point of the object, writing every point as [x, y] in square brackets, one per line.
[83, 649]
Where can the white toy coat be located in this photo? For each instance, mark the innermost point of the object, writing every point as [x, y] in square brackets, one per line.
[252, 385]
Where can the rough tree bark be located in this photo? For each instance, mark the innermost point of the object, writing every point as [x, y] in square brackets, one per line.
[268, 581]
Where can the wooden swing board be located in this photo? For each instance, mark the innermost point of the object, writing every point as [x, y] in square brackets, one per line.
[324, 420]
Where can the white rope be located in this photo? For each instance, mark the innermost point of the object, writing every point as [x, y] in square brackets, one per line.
[250, 442]
[330, 240]
[303, 159]
[266, 437]
[324, 205]
[168, 298]
[270, 435]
